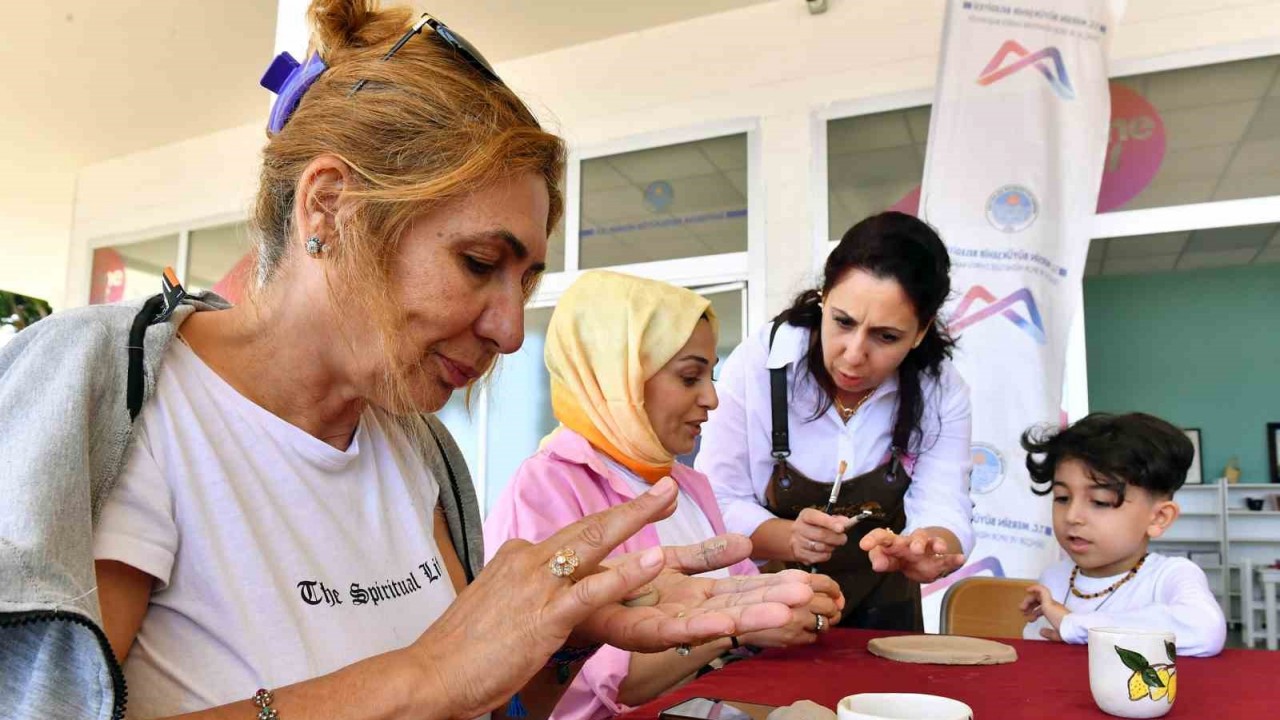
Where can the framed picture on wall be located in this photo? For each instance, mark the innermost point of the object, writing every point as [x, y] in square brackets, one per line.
[1195, 474]
[1273, 442]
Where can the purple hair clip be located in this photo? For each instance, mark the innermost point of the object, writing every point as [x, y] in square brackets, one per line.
[289, 80]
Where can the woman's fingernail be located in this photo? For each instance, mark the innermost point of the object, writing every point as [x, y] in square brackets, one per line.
[651, 557]
[663, 486]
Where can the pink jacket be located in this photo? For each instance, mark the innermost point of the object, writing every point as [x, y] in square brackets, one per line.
[566, 480]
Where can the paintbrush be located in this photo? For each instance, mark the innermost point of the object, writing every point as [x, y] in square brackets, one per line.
[835, 488]
[831, 499]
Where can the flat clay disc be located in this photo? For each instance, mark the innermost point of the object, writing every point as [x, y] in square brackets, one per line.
[802, 710]
[942, 650]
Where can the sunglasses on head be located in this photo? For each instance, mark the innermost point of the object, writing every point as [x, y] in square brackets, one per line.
[455, 41]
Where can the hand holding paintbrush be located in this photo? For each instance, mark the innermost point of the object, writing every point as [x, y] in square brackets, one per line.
[815, 535]
[831, 499]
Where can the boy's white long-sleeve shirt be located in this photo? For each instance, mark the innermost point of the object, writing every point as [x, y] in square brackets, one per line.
[1168, 593]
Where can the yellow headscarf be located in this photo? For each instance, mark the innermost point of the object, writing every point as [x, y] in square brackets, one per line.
[608, 335]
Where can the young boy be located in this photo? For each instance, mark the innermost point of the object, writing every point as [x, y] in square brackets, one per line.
[1112, 478]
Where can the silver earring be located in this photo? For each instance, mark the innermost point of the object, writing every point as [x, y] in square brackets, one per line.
[314, 246]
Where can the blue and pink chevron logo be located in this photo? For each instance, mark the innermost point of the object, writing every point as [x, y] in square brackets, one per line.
[1042, 60]
[1031, 323]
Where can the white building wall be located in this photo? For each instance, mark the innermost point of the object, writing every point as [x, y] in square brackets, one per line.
[35, 222]
[773, 63]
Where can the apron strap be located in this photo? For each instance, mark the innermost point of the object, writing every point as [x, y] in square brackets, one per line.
[778, 404]
[157, 309]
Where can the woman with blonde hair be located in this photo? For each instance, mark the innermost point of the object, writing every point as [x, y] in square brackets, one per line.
[630, 361]
[222, 499]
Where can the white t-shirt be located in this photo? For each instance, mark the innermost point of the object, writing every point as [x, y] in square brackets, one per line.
[688, 525]
[1168, 593]
[278, 557]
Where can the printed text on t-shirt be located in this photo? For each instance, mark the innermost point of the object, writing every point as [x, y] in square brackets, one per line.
[315, 592]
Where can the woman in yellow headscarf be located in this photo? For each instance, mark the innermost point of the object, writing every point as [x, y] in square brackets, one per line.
[630, 362]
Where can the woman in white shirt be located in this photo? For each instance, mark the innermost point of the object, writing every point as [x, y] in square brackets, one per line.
[856, 373]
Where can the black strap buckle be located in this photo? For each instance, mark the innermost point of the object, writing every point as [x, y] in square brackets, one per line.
[171, 293]
[781, 436]
[157, 309]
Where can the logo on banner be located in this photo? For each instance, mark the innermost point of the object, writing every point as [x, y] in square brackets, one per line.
[988, 469]
[107, 285]
[659, 195]
[1012, 209]
[1048, 61]
[1005, 307]
[1135, 152]
[1135, 148]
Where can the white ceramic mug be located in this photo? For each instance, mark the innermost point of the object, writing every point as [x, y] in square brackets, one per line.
[1132, 673]
[901, 706]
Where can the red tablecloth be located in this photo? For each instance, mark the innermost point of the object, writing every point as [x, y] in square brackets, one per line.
[1049, 680]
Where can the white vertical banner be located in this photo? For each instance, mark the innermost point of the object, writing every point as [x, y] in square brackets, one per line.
[1017, 143]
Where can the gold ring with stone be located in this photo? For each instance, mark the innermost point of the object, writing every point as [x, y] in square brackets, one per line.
[564, 563]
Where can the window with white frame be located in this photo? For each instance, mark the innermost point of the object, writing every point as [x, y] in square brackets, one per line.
[133, 270]
[555, 249]
[658, 211]
[220, 258]
[1178, 137]
[678, 201]
[209, 258]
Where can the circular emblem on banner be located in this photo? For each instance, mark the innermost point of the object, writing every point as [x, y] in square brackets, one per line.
[659, 195]
[988, 469]
[1012, 209]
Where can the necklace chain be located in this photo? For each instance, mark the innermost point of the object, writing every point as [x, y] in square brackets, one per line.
[1114, 586]
[848, 412]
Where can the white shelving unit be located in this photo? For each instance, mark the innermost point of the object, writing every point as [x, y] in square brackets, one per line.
[1218, 532]
[1201, 534]
[1253, 535]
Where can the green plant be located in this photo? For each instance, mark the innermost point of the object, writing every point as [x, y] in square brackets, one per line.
[19, 311]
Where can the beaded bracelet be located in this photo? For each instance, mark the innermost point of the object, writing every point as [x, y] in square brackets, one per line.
[262, 700]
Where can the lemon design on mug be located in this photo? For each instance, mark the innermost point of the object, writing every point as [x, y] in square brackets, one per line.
[1169, 677]
[1156, 682]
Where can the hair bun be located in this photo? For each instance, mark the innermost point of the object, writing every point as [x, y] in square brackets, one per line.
[337, 24]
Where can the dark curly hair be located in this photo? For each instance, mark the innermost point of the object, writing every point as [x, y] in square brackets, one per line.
[890, 245]
[1119, 450]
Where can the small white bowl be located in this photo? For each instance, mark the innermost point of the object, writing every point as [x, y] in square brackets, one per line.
[901, 706]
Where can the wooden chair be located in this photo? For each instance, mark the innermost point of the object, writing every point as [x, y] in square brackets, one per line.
[985, 607]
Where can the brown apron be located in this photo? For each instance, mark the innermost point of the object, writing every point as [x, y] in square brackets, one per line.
[879, 601]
